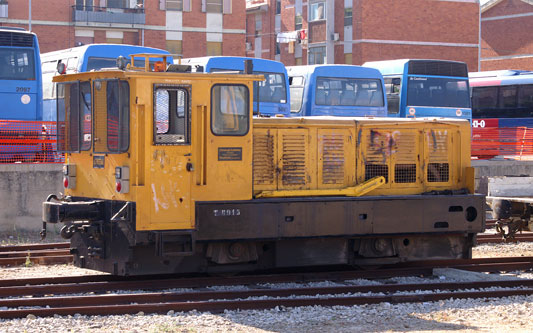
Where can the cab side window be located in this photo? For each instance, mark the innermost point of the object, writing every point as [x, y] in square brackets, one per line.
[171, 115]
[230, 114]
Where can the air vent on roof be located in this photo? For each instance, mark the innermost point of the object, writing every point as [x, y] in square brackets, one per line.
[441, 68]
[8, 38]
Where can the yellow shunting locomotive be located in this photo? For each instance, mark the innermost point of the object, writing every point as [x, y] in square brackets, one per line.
[168, 171]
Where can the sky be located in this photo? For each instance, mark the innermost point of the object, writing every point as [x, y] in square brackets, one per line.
[483, 1]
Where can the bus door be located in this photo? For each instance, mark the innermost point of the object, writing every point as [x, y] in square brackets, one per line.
[393, 88]
[169, 161]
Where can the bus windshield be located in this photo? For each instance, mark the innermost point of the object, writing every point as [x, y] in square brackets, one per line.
[437, 92]
[273, 89]
[17, 64]
[348, 92]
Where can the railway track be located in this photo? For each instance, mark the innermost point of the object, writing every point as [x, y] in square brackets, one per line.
[497, 238]
[100, 303]
[41, 254]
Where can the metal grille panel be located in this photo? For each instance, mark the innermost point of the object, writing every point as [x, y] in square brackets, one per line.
[293, 159]
[405, 146]
[438, 172]
[263, 159]
[405, 173]
[438, 146]
[440, 68]
[333, 159]
[375, 170]
[19, 39]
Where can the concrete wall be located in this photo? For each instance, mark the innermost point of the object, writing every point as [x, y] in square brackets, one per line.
[486, 169]
[23, 188]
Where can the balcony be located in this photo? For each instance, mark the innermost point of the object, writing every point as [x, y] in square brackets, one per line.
[3, 9]
[93, 14]
[256, 6]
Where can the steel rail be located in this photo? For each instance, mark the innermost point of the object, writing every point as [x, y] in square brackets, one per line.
[102, 283]
[37, 260]
[36, 253]
[26, 247]
[497, 238]
[164, 302]
[111, 299]
[157, 284]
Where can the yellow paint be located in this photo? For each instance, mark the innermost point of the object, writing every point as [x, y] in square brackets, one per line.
[354, 191]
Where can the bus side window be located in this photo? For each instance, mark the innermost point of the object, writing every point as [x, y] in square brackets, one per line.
[171, 115]
[229, 110]
[393, 87]
[525, 96]
[508, 96]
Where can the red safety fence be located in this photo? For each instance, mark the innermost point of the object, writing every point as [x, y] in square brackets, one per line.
[28, 142]
[508, 142]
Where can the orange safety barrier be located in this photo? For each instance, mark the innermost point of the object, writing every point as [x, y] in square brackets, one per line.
[28, 142]
[511, 142]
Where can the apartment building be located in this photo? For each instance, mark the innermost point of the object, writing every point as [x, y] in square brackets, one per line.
[355, 31]
[188, 27]
[507, 42]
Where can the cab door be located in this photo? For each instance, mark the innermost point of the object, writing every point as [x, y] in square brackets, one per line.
[222, 134]
[169, 158]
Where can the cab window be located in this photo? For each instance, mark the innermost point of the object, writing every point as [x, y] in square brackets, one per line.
[230, 113]
[171, 115]
[111, 116]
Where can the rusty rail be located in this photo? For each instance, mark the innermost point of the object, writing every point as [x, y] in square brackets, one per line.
[211, 300]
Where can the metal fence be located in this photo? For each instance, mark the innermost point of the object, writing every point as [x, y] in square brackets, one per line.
[507, 142]
[28, 142]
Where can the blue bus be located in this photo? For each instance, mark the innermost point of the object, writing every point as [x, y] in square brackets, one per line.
[425, 88]
[336, 90]
[20, 75]
[84, 59]
[271, 97]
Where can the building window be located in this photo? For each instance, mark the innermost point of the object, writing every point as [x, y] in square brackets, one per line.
[86, 5]
[118, 3]
[318, 11]
[278, 7]
[348, 16]
[258, 24]
[317, 55]
[114, 40]
[298, 22]
[278, 49]
[213, 6]
[174, 46]
[174, 4]
[214, 48]
[348, 58]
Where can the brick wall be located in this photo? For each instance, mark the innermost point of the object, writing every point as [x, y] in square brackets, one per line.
[405, 28]
[58, 30]
[507, 43]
